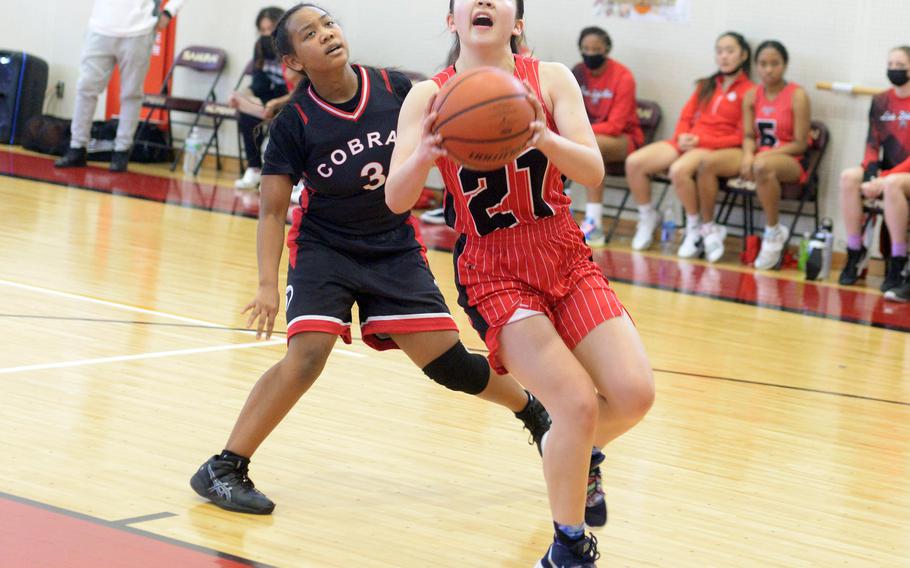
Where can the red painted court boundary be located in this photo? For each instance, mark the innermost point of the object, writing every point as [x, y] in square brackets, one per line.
[186, 193]
[34, 535]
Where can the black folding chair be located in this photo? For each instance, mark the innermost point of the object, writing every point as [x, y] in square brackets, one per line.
[802, 193]
[200, 60]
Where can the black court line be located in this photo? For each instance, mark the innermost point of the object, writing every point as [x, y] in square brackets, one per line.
[133, 530]
[780, 386]
[757, 304]
[483, 352]
[143, 519]
[755, 383]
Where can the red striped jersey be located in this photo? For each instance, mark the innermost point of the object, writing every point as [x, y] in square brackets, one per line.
[528, 189]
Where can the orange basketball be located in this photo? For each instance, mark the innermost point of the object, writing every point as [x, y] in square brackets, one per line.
[484, 118]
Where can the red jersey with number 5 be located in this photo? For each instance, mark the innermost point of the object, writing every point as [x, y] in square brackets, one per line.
[528, 189]
[774, 120]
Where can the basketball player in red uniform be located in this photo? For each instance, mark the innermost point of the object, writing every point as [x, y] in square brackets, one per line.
[346, 247]
[711, 120]
[776, 121]
[524, 274]
[608, 89]
[884, 173]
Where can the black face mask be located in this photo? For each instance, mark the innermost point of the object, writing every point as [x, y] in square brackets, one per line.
[594, 61]
[733, 72]
[898, 77]
[266, 48]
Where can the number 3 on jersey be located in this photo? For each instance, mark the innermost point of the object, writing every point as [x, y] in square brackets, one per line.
[374, 174]
[493, 201]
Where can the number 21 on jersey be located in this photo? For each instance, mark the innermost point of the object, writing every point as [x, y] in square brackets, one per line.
[497, 199]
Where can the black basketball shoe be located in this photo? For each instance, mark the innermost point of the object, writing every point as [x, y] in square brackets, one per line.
[536, 420]
[120, 161]
[855, 267]
[225, 482]
[73, 158]
[894, 272]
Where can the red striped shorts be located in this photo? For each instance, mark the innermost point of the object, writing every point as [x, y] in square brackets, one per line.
[540, 267]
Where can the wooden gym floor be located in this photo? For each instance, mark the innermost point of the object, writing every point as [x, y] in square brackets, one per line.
[780, 435]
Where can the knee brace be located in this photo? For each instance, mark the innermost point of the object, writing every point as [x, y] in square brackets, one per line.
[458, 370]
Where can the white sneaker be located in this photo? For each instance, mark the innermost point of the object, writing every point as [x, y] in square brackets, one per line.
[250, 179]
[691, 246]
[644, 231]
[594, 235]
[772, 246]
[434, 217]
[714, 242]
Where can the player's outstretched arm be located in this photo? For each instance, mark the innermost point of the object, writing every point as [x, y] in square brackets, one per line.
[274, 197]
[416, 148]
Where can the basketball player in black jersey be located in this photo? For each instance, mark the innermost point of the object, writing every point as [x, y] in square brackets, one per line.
[346, 246]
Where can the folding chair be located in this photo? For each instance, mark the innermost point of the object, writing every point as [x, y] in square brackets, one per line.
[649, 116]
[200, 59]
[224, 111]
[803, 193]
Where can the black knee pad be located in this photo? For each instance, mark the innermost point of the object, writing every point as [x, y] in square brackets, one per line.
[458, 370]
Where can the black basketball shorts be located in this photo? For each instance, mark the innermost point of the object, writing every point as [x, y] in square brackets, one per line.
[386, 275]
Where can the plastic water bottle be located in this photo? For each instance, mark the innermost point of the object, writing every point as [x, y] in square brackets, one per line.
[192, 150]
[668, 227]
[821, 247]
[804, 251]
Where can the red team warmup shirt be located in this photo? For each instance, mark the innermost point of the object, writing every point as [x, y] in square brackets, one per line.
[520, 250]
[719, 123]
[889, 134]
[610, 101]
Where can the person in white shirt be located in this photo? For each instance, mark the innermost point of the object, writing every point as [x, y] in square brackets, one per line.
[121, 32]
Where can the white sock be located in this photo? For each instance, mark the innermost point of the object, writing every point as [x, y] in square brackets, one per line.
[693, 221]
[645, 210]
[595, 212]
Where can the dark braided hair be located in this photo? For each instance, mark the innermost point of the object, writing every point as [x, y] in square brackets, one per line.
[282, 37]
[270, 13]
[776, 46]
[599, 32]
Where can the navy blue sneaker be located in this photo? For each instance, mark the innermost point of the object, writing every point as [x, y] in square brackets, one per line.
[226, 483]
[595, 503]
[536, 420]
[580, 555]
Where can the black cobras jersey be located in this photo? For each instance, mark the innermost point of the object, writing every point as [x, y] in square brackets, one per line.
[341, 152]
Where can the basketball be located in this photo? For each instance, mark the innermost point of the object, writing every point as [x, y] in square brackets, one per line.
[484, 118]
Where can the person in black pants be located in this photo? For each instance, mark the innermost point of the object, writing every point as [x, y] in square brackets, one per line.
[269, 89]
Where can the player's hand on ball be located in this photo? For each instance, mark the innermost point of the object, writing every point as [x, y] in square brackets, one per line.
[540, 132]
[430, 148]
[263, 311]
